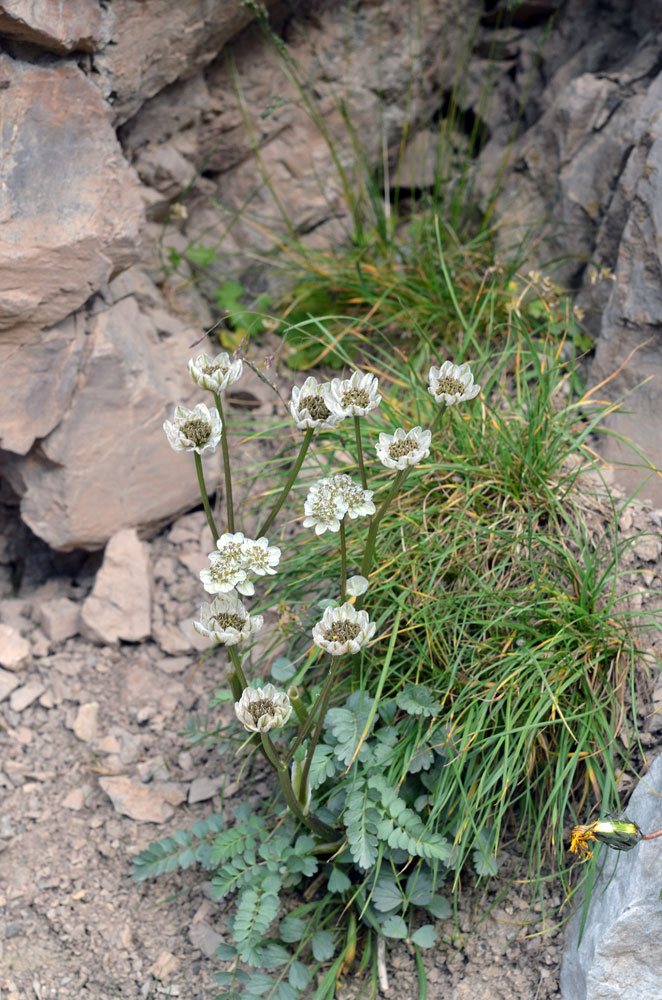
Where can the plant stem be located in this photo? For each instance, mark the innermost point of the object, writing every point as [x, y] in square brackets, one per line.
[343, 563]
[288, 485]
[226, 464]
[368, 553]
[205, 498]
[651, 836]
[238, 670]
[297, 704]
[315, 824]
[359, 452]
[323, 699]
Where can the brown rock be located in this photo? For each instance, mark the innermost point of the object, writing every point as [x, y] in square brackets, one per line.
[145, 803]
[87, 722]
[108, 464]
[7, 684]
[119, 606]
[59, 618]
[25, 695]
[71, 210]
[15, 651]
[74, 800]
[74, 25]
[164, 966]
[171, 639]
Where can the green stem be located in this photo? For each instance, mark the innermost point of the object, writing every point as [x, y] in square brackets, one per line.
[325, 694]
[226, 464]
[288, 485]
[297, 704]
[238, 670]
[205, 498]
[343, 563]
[311, 821]
[359, 452]
[368, 553]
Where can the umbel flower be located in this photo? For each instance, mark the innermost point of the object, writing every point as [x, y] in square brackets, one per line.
[329, 499]
[452, 384]
[620, 835]
[352, 397]
[215, 374]
[226, 621]
[399, 450]
[234, 558]
[194, 430]
[308, 406]
[262, 709]
[343, 630]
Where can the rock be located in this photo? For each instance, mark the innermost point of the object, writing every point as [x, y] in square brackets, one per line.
[204, 788]
[648, 547]
[618, 955]
[94, 475]
[24, 696]
[119, 606]
[173, 664]
[15, 651]
[70, 222]
[74, 800]
[59, 618]
[68, 27]
[7, 684]
[171, 639]
[164, 966]
[205, 938]
[152, 803]
[87, 720]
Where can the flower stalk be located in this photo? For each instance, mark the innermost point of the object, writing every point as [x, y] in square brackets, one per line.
[359, 453]
[296, 468]
[343, 563]
[323, 699]
[226, 465]
[205, 498]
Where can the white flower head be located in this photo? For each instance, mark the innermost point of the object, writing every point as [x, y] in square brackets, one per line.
[399, 450]
[194, 430]
[216, 373]
[234, 559]
[226, 620]
[356, 585]
[329, 499]
[352, 397]
[343, 630]
[262, 709]
[452, 384]
[308, 406]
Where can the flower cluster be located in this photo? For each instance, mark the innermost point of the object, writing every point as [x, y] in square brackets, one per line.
[262, 709]
[330, 499]
[234, 558]
[343, 630]
[226, 621]
[215, 374]
[452, 384]
[400, 450]
[197, 430]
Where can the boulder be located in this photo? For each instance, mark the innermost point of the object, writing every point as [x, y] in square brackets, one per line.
[70, 206]
[59, 27]
[120, 605]
[619, 951]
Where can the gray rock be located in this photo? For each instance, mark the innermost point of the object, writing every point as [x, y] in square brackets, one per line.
[119, 606]
[59, 618]
[75, 25]
[203, 789]
[619, 952]
[7, 684]
[204, 937]
[24, 696]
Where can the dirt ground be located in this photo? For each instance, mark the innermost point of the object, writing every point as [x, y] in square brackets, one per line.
[73, 924]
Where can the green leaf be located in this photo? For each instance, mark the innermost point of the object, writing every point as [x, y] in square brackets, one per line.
[323, 944]
[338, 881]
[299, 975]
[485, 864]
[323, 765]
[416, 699]
[257, 984]
[439, 907]
[225, 952]
[283, 669]
[420, 887]
[425, 936]
[235, 841]
[291, 928]
[163, 856]
[257, 906]
[395, 927]
[272, 955]
[286, 992]
[347, 726]
[361, 818]
[201, 256]
[387, 894]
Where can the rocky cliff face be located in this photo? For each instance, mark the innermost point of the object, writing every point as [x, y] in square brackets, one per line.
[114, 111]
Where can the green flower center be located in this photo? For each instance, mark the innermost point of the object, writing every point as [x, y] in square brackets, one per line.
[450, 385]
[262, 707]
[400, 448]
[197, 430]
[227, 620]
[356, 397]
[342, 631]
[316, 407]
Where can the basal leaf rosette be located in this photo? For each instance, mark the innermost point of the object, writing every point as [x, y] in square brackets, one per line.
[352, 397]
[262, 709]
[452, 384]
[196, 430]
[343, 630]
[309, 409]
[403, 449]
[226, 621]
[215, 374]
